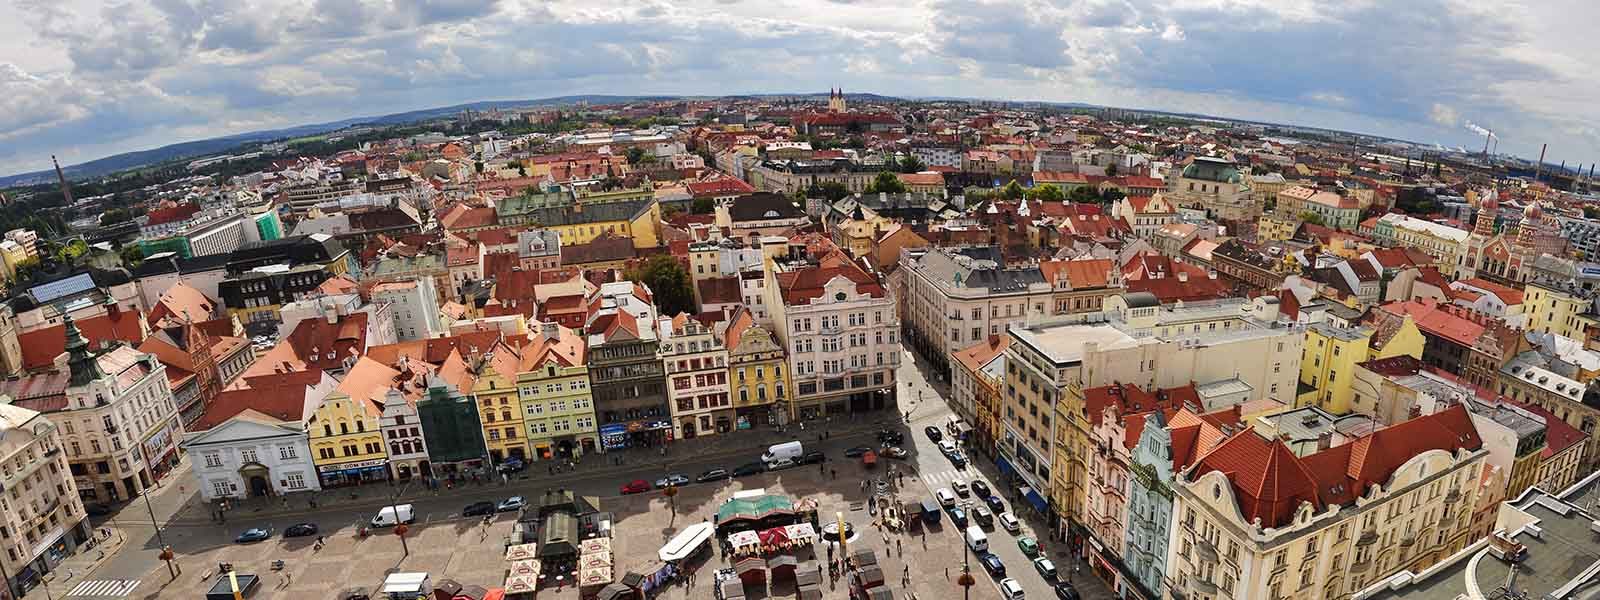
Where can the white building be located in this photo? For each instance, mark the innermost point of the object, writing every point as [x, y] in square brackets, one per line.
[252, 441]
[402, 432]
[696, 363]
[44, 521]
[414, 305]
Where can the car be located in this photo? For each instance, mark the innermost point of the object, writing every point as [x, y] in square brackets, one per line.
[857, 451]
[947, 446]
[300, 530]
[512, 465]
[712, 475]
[933, 433]
[478, 509]
[1065, 591]
[780, 464]
[957, 459]
[958, 516]
[1010, 589]
[748, 469]
[96, 510]
[980, 489]
[889, 436]
[512, 504]
[674, 479]
[959, 486]
[1009, 523]
[813, 457]
[945, 498]
[637, 486]
[995, 503]
[254, 534]
[1046, 569]
[992, 564]
[895, 452]
[983, 516]
[1028, 546]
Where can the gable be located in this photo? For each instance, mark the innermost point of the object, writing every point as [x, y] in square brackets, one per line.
[236, 430]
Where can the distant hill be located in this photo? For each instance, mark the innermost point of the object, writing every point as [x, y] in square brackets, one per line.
[199, 148]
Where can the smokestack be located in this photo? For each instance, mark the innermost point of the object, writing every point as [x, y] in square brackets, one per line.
[1539, 170]
[66, 188]
[1486, 138]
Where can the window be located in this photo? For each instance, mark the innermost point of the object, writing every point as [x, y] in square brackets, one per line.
[219, 488]
[286, 453]
[296, 481]
[213, 459]
[248, 455]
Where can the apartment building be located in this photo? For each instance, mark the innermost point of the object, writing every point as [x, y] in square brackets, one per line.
[1165, 445]
[696, 364]
[414, 307]
[838, 324]
[757, 373]
[956, 297]
[1217, 186]
[1565, 310]
[1254, 520]
[629, 387]
[557, 403]
[500, 409]
[976, 374]
[1447, 245]
[44, 520]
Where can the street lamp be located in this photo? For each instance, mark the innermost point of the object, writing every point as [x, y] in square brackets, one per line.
[965, 580]
[400, 528]
[166, 551]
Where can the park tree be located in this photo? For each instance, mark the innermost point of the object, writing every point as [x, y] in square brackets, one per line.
[1048, 192]
[886, 182]
[1312, 218]
[703, 206]
[635, 154]
[1013, 191]
[669, 282]
[1084, 194]
[910, 164]
[832, 190]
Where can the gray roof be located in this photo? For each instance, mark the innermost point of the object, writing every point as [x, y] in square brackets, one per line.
[976, 268]
[591, 213]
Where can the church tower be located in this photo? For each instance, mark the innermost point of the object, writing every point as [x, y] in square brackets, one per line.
[1484, 227]
[836, 101]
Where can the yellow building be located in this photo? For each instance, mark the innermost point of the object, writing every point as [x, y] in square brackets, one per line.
[1276, 229]
[1552, 308]
[553, 384]
[499, 408]
[640, 221]
[346, 441]
[1329, 357]
[756, 374]
[856, 236]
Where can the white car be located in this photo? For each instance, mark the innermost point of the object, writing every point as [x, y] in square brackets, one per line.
[779, 464]
[947, 447]
[946, 499]
[1010, 589]
[1009, 523]
[960, 486]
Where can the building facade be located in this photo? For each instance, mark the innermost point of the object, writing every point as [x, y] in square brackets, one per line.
[44, 520]
[696, 363]
[557, 403]
[838, 323]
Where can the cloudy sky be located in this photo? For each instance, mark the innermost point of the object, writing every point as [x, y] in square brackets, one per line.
[85, 78]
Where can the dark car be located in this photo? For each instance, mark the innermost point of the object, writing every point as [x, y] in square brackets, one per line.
[478, 509]
[992, 564]
[891, 437]
[980, 489]
[300, 530]
[748, 469]
[96, 510]
[635, 487]
[1065, 591]
[512, 465]
[995, 504]
[254, 534]
[712, 475]
[933, 433]
[857, 451]
[813, 457]
[958, 516]
[957, 459]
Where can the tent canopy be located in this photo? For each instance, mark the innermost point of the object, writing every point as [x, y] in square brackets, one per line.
[598, 544]
[774, 536]
[685, 544]
[744, 539]
[558, 535]
[518, 552]
[754, 508]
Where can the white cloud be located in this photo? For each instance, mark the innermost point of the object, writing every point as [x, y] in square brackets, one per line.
[1443, 115]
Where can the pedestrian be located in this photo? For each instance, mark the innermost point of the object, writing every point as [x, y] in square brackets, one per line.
[947, 572]
[897, 547]
[834, 472]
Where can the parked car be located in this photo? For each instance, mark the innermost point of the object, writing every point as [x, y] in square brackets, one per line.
[960, 487]
[512, 465]
[1010, 589]
[958, 516]
[512, 504]
[254, 534]
[96, 510]
[671, 480]
[1009, 523]
[857, 451]
[300, 530]
[636, 486]
[1028, 546]
[947, 446]
[945, 498]
[1046, 569]
[813, 457]
[995, 503]
[983, 516]
[1065, 591]
[712, 475]
[980, 489]
[478, 509]
[992, 564]
[780, 464]
[895, 452]
[892, 437]
[957, 459]
[933, 433]
[747, 469]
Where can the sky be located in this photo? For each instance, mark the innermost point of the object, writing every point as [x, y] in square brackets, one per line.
[84, 79]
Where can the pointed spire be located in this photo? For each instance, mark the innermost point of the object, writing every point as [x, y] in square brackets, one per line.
[81, 364]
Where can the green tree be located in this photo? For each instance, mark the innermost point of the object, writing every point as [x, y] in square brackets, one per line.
[1084, 194]
[1312, 218]
[703, 206]
[1112, 195]
[1048, 192]
[832, 190]
[910, 164]
[886, 182]
[132, 255]
[1591, 211]
[26, 268]
[114, 216]
[70, 252]
[1013, 191]
[635, 154]
[669, 282]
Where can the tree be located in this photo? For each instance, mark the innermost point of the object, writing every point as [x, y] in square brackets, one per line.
[635, 154]
[1048, 192]
[132, 255]
[886, 182]
[1312, 218]
[669, 282]
[1013, 191]
[1111, 170]
[114, 216]
[1112, 195]
[1084, 194]
[1591, 211]
[910, 164]
[703, 206]
[832, 190]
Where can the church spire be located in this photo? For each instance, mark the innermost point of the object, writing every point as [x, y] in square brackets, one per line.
[81, 364]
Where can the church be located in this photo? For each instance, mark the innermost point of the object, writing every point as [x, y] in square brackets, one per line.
[1508, 257]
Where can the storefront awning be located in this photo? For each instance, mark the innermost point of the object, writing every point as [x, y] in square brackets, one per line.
[1038, 502]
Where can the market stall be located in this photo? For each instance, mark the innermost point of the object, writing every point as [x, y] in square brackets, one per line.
[522, 577]
[751, 570]
[782, 566]
[745, 543]
[521, 552]
[692, 540]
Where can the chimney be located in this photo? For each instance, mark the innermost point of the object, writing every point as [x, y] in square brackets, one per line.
[1324, 440]
[331, 312]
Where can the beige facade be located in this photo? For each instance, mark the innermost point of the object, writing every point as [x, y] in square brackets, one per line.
[44, 519]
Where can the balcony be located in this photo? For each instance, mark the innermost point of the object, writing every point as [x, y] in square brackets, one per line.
[1368, 538]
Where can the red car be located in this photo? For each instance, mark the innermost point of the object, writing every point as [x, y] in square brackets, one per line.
[636, 486]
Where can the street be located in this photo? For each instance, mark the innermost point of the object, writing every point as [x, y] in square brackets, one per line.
[136, 570]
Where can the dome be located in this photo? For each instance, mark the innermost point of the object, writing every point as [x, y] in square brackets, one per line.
[1533, 212]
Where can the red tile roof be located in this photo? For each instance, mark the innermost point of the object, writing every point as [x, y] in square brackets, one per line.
[171, 214]
[718, 187]
[325, 345]
[802, 285]
[1510, 295]
[40, 347]
[183, 303]
[284, 399]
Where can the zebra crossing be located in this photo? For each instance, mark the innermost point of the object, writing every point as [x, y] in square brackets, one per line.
[946, 476]
[104, 588]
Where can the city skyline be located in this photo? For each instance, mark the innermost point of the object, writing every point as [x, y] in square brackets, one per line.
[84, 81]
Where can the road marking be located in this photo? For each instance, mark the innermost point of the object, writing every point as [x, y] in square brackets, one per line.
[113, 588]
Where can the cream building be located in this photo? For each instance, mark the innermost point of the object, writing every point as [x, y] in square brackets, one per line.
[696, 362]
[44, 520]
[956, 297]
[557, 401]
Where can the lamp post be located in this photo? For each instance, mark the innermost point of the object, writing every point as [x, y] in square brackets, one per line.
[166, 551]
[400, 528]
[965, 580]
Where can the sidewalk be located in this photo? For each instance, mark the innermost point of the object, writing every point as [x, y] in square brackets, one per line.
[76, 568]
[748, 443]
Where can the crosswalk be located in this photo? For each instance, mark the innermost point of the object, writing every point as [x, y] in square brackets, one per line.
[104, 588]
[936, 478]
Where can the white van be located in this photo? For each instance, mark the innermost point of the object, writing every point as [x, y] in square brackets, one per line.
[976, 540]
[790, 450]
[390, 516]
